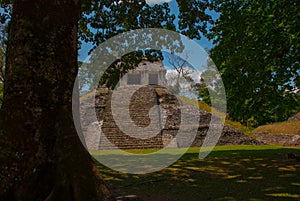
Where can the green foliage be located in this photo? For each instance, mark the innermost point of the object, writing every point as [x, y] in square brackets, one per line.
[257, 47]
[193, 18]
[257, 53]
[203, 93]
[5, 14]
[102, 20]
[210, 89]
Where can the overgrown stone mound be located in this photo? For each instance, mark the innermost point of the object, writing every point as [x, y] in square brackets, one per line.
[281, 139]
[141, 102]
[296, 117]
[282, 133]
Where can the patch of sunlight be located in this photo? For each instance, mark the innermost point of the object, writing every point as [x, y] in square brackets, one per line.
[193, 150]
[246, 147]
[295, 184]
[185, 175]
[172, 169]
[285, 195]
[273, 161]
[227, 198]
[251, 168]
[274, 188]
[263, 165]
[195, 168]
[233, 176]
[287, 168]
[112, 179]
[191, 180]
[225, 163]
[259, 159]
[241, 181]
[287, 175]
[255, 178]
[212, 169]
[246, 160]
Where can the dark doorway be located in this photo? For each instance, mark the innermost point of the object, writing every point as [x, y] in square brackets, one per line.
[134, 79]
[153, 78]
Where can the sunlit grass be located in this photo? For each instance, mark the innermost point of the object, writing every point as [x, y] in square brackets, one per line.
[191, 150]
[284, 195]
[291, 127]
[91, 94]
[238, 172]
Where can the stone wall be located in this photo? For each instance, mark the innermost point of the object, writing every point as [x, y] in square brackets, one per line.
[280, 139]
[145, 73]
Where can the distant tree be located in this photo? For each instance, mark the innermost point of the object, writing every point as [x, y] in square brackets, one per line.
[180, 65]
[203, 93]
[256, 49]
[210, 86]
[181, 74]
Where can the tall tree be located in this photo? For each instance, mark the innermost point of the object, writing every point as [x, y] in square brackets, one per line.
[257, 52]
[41, 155]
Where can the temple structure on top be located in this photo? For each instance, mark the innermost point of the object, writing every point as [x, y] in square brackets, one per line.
[146, 73]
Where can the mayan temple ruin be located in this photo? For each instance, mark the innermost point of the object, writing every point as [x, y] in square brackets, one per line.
[144, 87]
[146, 73]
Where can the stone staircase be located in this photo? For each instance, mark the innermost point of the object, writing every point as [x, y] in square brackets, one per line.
[126, 119]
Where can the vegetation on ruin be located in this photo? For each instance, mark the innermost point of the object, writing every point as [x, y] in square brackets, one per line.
[287, 127]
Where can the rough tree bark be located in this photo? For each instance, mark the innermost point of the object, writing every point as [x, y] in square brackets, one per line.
[41, 155]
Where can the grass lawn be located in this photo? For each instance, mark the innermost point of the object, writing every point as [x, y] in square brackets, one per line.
[228, 173]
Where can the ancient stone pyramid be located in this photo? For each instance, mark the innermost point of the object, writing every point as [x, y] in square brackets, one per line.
[141, 102]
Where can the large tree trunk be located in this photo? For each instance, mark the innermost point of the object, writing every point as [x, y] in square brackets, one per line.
[41, 155]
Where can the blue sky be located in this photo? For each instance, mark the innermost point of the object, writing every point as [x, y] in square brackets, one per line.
[83, 52]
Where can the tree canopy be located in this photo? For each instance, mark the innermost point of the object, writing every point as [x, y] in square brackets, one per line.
[256, 47]
[102, 20]
[257, 52]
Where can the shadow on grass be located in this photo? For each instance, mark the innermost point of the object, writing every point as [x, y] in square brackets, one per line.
[228, 173]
